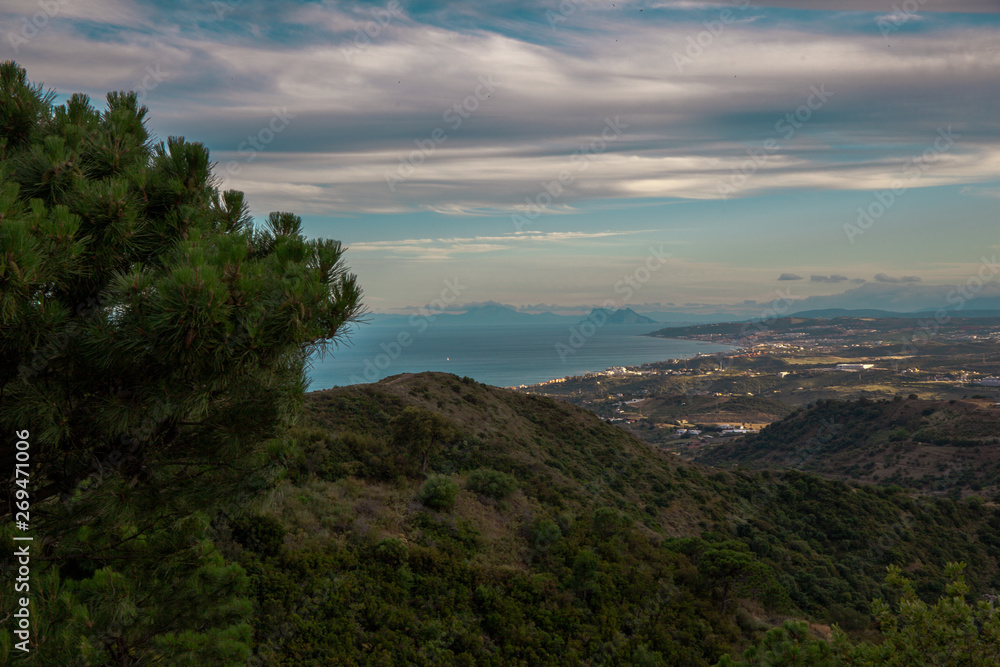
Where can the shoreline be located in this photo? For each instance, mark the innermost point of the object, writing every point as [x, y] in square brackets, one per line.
[628, 370]
[498, 359]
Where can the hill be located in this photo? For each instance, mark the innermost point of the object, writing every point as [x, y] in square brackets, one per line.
[857, 313]
[429, 519]
[936, 446]
[710, 409]
[483, 315]
[620, 316]
[823, 327]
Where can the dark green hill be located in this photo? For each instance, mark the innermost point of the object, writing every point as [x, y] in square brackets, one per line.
[432, 520]
[935, 446]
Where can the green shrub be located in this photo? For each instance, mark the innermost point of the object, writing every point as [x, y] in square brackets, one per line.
[263, 535]
[391, 551]
[546, 533]
[492, 483]
[439, 492]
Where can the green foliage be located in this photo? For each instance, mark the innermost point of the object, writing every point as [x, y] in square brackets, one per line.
[791, 644]
[439, 492]
[546, 533]
[491, 483]
[419, 432]
[578, 567]
[732, 569]
[886, 441]
[391, 551]
[186, 607]
[263, 535]
[153, 344]
[949, 632]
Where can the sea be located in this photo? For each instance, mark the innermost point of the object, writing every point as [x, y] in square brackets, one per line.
[506, 355]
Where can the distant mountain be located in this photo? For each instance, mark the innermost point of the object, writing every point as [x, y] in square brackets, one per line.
[674, 318]
[620, 316]
[907, 298]
[496, 314]
[485, 315]
[831, 313]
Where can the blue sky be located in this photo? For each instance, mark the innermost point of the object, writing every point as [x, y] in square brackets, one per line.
[536, 151]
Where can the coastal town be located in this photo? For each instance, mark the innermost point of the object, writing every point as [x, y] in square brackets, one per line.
[687, 405]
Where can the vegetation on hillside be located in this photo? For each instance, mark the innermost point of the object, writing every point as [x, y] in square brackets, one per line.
[605, 551]
[938, 447]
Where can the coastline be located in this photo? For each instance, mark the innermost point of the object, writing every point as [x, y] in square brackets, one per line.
[501, 357]
[637, 369]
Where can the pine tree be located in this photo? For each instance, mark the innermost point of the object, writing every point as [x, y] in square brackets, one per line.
[153, 344]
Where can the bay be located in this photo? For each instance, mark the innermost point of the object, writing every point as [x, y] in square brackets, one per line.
[502, 355]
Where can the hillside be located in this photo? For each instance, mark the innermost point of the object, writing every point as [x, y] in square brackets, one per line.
[619, 316]
[711, 409]
[429, 519]
[937, 447]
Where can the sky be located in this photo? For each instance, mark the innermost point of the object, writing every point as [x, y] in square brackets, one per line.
[674, 154]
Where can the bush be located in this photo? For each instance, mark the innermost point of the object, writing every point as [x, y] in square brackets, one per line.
[492, 483]
[439, 492]
[391, 551]
[262, 535]
[546, 533]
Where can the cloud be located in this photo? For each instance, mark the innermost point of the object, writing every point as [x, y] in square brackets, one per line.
[790, 276]
[445, 248]
[977, 191]
[358, 119]
[461, 308]
[835, 278]
[975, 6]
[884, 278]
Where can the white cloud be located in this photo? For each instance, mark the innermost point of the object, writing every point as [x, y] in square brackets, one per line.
[445, 248]
[687, 131]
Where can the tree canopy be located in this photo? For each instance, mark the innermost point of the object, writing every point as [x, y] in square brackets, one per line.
[154, 341]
